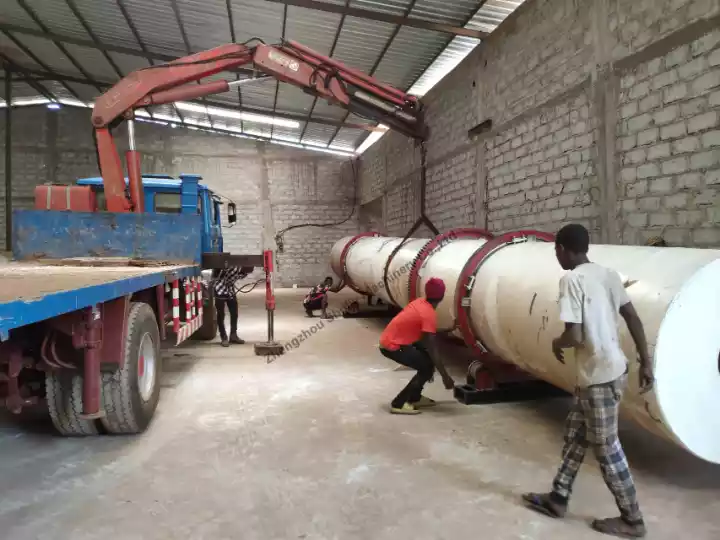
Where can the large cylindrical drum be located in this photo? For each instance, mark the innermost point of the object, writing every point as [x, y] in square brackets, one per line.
[513, 312]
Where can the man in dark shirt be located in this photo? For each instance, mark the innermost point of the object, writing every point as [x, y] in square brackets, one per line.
[226, 294]
[317, 299]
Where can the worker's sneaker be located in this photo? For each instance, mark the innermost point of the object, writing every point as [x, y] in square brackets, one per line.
[405, 409]
[236, 340]
[424, 403]
[225, 342]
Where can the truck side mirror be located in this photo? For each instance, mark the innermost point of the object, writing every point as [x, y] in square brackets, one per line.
[232, 212]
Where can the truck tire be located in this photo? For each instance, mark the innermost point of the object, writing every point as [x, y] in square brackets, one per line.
[63, 389]
[209, 329]
[131, 393]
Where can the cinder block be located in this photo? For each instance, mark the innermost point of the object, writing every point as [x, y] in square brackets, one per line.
[707, 237]
[648, 170]
[639, 123]
[637, 219]
[673, 131]
[648, 136]
[703, 121]
[658, 151]
[689, 217]
[675, 92]
[649, 203]
[686, 145]
[711, 139]
[662, 219]
[679, 200]
[650, 102]
[664, 79]
[661, 185]
[678, 56]
[689, 181]
[705, 160]
[706, 82]
[666, 115]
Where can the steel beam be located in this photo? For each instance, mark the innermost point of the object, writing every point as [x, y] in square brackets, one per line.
[383, 17]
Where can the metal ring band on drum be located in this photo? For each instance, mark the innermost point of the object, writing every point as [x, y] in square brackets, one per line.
[343, 256]
[466, 281]
[433, 245]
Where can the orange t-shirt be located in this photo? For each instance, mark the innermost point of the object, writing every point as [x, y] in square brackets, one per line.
[408, 326]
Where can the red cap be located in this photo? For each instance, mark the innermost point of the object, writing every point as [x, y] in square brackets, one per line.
[434, 289]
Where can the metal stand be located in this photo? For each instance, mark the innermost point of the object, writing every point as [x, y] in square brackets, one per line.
[378, 310]
[270, 348]
[493, 381]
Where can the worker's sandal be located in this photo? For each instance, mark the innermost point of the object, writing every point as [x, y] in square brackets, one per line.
[407, 408]
[424, 403]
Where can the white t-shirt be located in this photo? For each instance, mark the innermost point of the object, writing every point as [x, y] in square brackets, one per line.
[592, 295]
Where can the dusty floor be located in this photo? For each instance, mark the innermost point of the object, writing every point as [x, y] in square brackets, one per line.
[304, 448]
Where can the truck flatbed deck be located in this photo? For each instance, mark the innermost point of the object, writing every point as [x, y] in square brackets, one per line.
[32, 292]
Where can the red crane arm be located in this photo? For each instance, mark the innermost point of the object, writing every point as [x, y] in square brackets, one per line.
[290, 62]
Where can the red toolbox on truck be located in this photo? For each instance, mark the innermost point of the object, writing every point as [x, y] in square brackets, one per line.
[61, 197]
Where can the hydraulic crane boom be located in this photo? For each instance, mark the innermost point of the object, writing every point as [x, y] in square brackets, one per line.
[289, 62]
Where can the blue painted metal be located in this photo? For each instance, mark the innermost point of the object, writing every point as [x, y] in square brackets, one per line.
[211, 240]
[152, 181]
[189, 193]
[59, 235]
[23, 312]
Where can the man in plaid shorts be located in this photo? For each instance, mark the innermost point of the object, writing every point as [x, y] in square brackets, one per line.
[590, 298]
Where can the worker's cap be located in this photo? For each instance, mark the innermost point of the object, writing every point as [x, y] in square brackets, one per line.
[435, 289]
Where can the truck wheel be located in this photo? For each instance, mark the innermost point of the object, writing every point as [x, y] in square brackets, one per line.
[63, 389]
[131, 393]
[209, 329]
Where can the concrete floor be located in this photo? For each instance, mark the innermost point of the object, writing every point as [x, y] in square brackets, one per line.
[304, 448]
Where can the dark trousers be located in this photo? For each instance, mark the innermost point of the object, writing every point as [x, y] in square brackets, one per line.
[416, 357]
[232, 305]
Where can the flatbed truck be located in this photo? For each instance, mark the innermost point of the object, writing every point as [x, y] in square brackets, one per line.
[91, 296]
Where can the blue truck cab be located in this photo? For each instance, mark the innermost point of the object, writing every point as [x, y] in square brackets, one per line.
[165, 194]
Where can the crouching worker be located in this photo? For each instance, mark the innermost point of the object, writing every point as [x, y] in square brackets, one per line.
[225, 290]
[317, 298]
[409, 340]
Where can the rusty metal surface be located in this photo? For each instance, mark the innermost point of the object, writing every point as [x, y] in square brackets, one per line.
[27, 281]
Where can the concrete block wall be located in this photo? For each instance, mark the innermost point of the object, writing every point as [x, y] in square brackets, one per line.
[541, 171]
[273, 187]
[669, 146]
[574, 90]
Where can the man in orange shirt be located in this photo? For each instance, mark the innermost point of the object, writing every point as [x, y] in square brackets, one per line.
[409, 341]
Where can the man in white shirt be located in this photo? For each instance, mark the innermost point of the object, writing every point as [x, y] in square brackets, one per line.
[590, 299]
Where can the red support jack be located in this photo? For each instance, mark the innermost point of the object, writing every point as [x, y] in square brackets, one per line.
[270, 348]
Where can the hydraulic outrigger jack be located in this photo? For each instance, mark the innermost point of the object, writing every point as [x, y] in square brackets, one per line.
[270, 348]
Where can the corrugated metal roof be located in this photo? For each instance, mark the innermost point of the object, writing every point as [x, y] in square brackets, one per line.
[454, 12]
[155, 22]
[405, 56]
[314, 29]
[411, 52]
[107, 22]
[55, 15]
[361, 42]
[206, 23]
